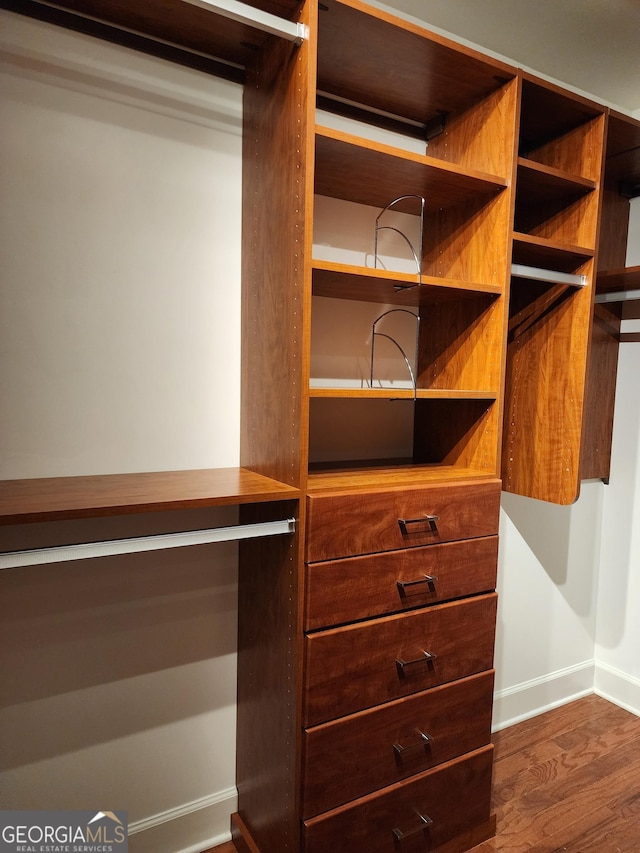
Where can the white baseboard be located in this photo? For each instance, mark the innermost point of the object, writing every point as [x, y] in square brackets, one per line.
[190, 828]
[617, 687]
[538, 695]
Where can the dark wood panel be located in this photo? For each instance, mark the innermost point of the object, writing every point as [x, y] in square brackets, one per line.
[341, 591]
[454, 798]
[62, 498]
[269, 687]
[358, 666]
[356, 755]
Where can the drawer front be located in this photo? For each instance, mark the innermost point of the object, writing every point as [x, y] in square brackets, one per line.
[339, 591]
[417, 815]
[358, 666]
[356, 755]
[344, 524]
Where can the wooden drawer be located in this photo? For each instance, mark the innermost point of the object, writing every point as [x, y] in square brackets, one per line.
[455, 798]
[343, 524]
[340, 591]
[348, 758]
[357, 666]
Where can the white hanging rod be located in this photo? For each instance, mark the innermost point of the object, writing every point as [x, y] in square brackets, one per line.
[618, 296]
[541, 274]
[158, 542]
[256, 18]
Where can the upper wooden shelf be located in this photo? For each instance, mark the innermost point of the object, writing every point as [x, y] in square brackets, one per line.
[347, 281]
[168, 23]
[542, 184]
[372, 58]
[399, 393]
[63, 498]
[352, 169]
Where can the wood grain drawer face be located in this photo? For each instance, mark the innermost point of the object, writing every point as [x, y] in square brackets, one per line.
[339, 591]
[351, 523]
[358, 666]
[455, 798]
[356, 755]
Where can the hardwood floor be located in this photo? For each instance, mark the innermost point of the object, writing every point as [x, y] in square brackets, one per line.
[568, 780]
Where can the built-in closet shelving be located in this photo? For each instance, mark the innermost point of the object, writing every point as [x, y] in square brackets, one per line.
[557, 202]
[365, 640]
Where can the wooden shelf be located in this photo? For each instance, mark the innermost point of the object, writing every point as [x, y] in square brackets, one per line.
[400, 393]
[368, 475]
[398, 67]
[167, 23]
[621, 280]
[541, 184]
[63, 498]
[347, 281]
[352, 169]
[551, 254]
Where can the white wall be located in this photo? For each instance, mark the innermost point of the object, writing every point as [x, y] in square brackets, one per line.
[120, 181]
[618, 628]
[118, 685]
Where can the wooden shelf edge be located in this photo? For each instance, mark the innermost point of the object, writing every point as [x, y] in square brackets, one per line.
[401, 394]
[391, 476]
[65, 498]
[425, 161]
[624, 279]
[556, 174]
[554, 245]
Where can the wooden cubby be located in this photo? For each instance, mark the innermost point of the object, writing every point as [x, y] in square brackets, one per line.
[555, 231]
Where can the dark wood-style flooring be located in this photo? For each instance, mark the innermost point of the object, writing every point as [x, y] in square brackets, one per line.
[568, 780]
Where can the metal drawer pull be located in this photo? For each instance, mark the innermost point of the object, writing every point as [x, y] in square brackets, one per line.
[398, 834]
[402, 664]
[431, 520]
[424, 741]
[404, 586]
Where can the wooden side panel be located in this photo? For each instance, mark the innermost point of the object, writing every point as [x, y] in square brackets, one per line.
[269, 688]
[546, 373]
[277, 157]
[461, 344]
[482, 137]
[578, 152]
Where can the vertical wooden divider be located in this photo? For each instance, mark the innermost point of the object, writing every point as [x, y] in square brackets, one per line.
[279, 109]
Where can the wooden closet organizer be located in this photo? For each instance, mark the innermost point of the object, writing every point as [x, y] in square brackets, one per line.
[365, 649]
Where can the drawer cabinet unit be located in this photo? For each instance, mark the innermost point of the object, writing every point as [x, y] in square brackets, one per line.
[400, 614]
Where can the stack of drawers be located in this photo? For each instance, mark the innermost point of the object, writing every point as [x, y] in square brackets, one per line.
[400, 623]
